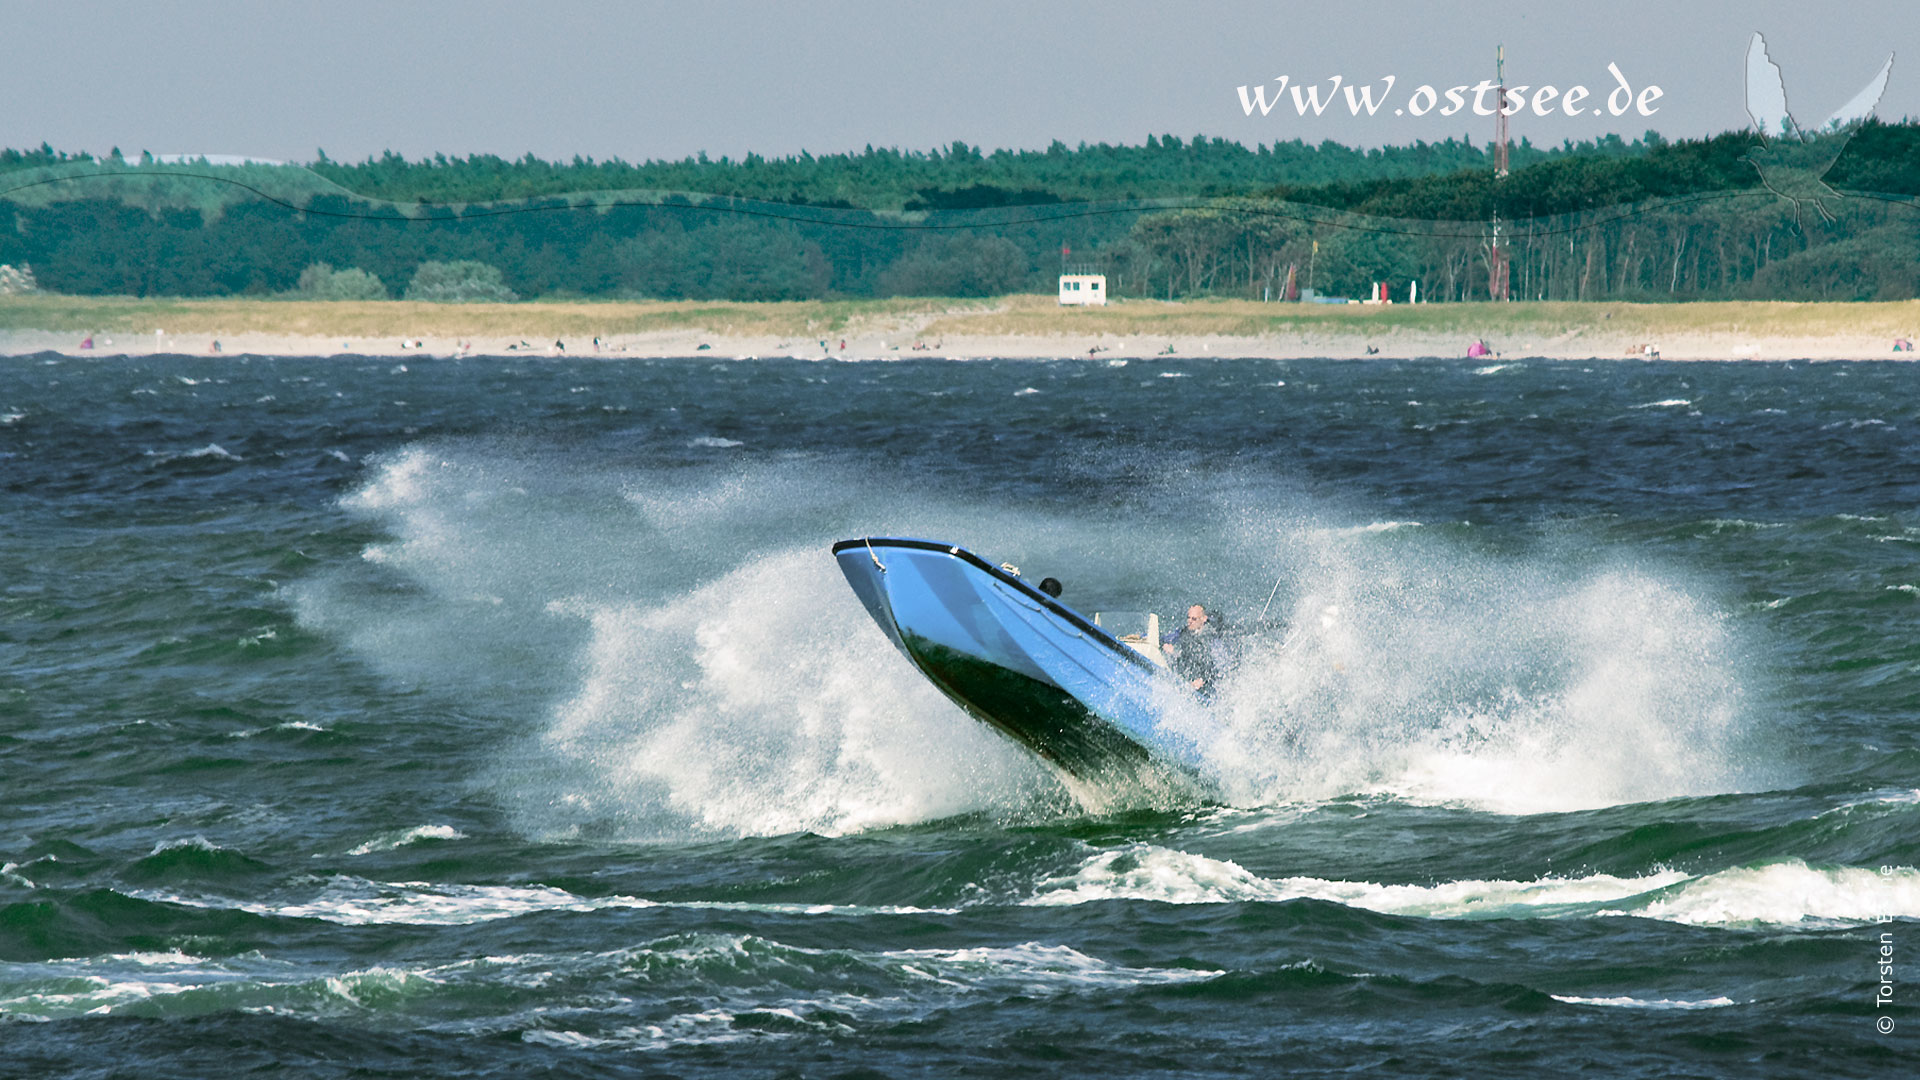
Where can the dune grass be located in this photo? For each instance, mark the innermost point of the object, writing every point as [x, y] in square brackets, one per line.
[1027, 315]
[396, 318]
[1018, 316]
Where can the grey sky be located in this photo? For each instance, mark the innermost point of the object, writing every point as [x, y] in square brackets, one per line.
[662, 80]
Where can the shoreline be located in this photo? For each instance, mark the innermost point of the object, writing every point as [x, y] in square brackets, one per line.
[1020, 327]
[17, 344]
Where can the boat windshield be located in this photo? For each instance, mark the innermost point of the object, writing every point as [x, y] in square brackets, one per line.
[1139, 630]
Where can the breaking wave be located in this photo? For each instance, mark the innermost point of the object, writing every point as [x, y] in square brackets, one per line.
[1784, 893]
[726, 988]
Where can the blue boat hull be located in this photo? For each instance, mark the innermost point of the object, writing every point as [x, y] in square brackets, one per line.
[1038, 671]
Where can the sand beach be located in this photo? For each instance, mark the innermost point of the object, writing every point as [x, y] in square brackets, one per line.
[1016, 327]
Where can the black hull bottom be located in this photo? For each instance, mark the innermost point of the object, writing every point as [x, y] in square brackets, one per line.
[1043, 718]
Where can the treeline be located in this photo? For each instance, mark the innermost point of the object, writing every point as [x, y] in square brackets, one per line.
[545, 248]
[1681, 220]
[957, 177]
[1648, 219]
[1737, 245]
[1879, 158]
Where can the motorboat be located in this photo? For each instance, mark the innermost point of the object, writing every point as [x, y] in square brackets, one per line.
[1092, 696]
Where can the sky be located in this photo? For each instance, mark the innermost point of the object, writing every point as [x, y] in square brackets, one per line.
[283, 79]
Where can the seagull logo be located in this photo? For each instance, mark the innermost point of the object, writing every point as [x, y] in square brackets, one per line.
[1792, 160]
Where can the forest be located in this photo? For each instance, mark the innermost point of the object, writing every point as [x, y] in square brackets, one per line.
[1651, 219]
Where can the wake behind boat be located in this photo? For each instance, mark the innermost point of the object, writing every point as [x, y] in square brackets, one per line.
[1065, 686]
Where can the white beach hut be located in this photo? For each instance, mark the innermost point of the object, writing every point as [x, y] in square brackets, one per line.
[1083, 289]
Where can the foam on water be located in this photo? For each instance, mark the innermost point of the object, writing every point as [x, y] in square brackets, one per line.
[759, 704]
[290, 725]
[678, 654]
[724, 987]
[353, 901]
[1645, 1003]
[1148, 872]
[1411, 667]
[418, 834]
[1785, 893]
[752, 987]
[705, 668]
[1790, 892]
[1887, 798]
[55, 989]
[64, 989]
[212, 451]
[186, 843]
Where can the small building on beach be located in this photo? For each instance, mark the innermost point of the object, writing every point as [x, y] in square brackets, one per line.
[1083, 289]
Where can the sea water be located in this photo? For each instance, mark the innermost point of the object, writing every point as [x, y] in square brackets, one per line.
[481, 717]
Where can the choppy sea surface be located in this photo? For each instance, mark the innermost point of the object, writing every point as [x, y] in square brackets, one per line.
[487, 718]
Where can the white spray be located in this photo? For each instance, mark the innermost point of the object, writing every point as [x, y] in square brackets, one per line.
[676, 654]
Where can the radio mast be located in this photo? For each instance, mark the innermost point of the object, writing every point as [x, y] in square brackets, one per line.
[1498, 277]
[1500, 115]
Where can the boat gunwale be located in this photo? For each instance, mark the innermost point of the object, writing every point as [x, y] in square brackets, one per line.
[1073, 618]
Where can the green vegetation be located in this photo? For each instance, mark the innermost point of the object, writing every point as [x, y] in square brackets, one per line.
[323, 282]
[15, 281]
[1882, 159]
[403, 318]
[957, 177]
[901, 320]
[459, 282]
[1508, 324]
[1649, 220]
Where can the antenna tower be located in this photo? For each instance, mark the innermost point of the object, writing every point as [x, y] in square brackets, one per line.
[1500, 115]
[1498, 277]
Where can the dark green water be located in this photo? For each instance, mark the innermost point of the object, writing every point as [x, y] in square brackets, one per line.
[476, 718]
